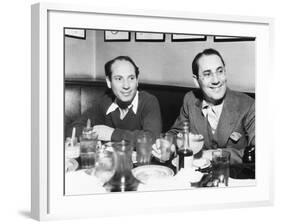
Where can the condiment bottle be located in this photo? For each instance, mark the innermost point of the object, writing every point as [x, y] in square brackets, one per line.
[184, 152]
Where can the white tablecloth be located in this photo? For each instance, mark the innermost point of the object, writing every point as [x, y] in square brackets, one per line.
[80, 183]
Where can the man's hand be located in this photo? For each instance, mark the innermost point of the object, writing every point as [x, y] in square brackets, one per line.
[156, 151]
[104, 132]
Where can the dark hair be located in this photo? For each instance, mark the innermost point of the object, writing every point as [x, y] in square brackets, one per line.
[209, 51]
[108, 65]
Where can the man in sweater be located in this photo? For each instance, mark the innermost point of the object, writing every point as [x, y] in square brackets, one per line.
[225, 118]
[123, 112]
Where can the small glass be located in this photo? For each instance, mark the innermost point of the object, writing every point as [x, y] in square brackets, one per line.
[72, 148]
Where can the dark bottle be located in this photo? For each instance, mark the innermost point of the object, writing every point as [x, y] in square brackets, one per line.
[249, 155]
[184, 152]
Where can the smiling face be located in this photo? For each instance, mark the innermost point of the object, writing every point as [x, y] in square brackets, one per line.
[124, 81]
[211, 78]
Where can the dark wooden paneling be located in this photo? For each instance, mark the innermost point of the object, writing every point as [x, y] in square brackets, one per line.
[81, 95]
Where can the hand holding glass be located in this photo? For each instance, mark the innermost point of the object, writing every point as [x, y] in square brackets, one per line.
[164, 145]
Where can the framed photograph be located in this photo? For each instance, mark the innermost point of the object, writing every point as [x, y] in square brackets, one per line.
[115, 35]
[188, 37]
[64, 72]
[75, 33]
[151, 37]
[232, 39]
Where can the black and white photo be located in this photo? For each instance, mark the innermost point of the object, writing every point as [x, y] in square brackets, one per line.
[151, 116]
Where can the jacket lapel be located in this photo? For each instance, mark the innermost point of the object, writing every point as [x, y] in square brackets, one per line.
[228, 118]
[200, 121]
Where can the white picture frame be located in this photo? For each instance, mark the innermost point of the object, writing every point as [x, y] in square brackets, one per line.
[48, 201]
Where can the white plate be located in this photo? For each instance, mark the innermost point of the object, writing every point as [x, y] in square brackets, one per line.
[201, 163]
[147, 172]
[71, 165]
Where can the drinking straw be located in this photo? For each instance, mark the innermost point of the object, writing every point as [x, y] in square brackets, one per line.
[73, 136]
[88, 123]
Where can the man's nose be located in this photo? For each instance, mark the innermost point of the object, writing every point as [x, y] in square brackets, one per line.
[126, 84]
[215, 78]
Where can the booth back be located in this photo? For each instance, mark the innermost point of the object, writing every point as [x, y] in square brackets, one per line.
[81, 95]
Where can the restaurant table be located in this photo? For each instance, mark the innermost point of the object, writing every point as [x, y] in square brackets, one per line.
[82, 181]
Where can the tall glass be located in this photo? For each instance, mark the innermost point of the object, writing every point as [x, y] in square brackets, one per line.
[88, 147]
[144, 143]
[220, 164]
[104, 163]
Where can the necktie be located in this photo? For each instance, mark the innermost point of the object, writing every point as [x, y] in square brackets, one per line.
[212, 118]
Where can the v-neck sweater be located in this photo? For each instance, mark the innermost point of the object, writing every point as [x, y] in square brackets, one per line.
[146, 119]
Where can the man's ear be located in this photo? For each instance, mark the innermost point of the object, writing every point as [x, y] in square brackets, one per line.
[108, 82]
[195, 80]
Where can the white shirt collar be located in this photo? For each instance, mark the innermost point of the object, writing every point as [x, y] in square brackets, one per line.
[134, 105]
[216, 108]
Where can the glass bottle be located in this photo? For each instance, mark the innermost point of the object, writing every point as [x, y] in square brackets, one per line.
[184, 152]
[249, 155]
[123, 179]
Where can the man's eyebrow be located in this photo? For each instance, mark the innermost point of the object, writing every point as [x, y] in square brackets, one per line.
[116, 75]
[208, 70]
[220, 67]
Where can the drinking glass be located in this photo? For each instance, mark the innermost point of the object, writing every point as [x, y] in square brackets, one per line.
[220, 164]
[144, 148]
[104, 163]
[72, 148]
[165, 143]
[88, 147]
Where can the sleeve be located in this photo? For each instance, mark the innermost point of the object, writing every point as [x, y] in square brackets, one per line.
[151, 122]
[183, 116]
[249, 125]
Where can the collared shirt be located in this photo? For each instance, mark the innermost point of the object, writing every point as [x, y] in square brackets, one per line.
[123, 112]
[213, 113]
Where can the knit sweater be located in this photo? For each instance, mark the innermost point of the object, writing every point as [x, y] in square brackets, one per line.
[147, 118]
